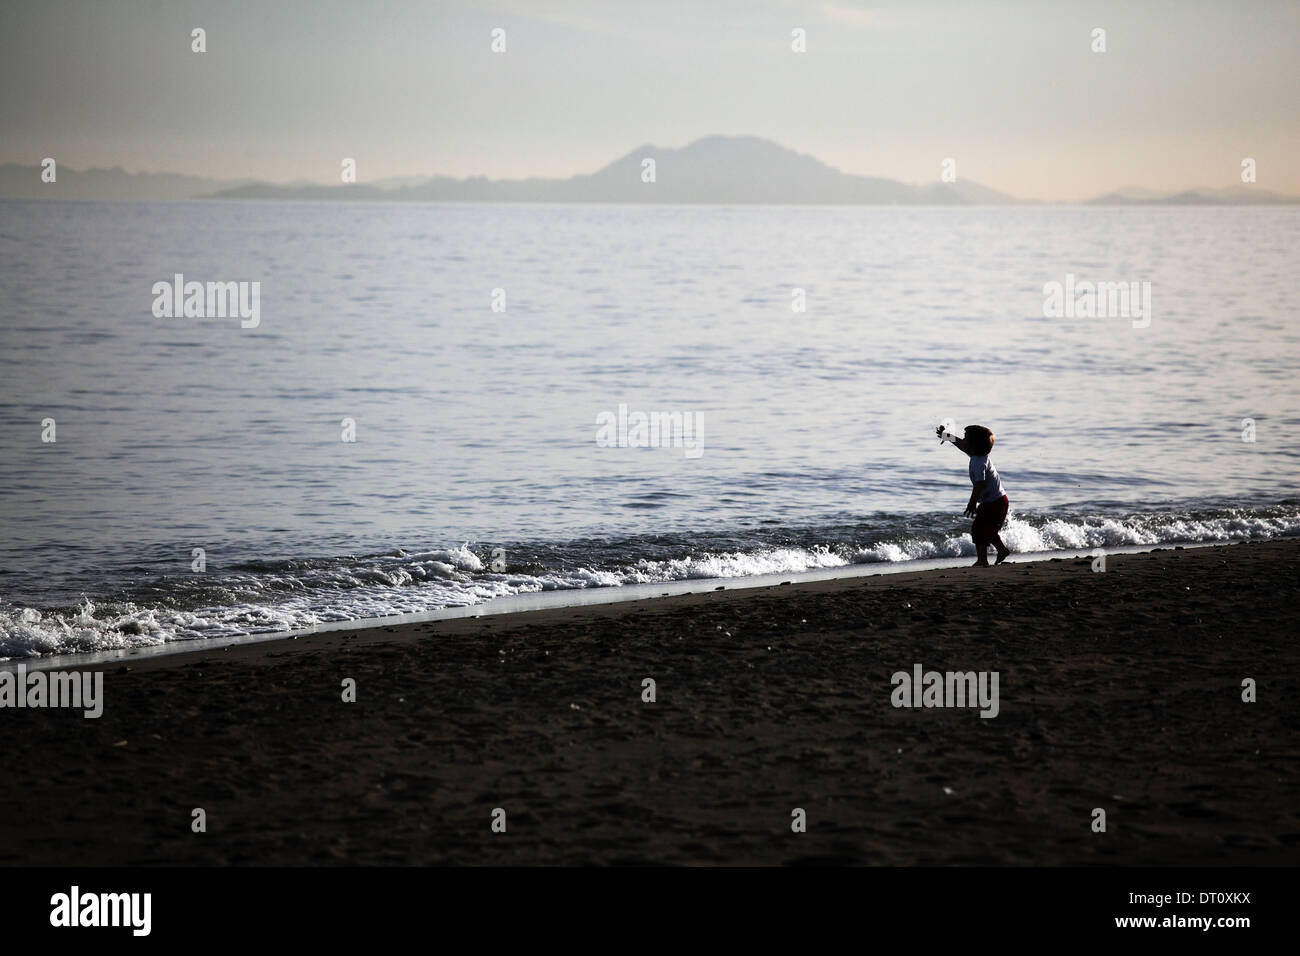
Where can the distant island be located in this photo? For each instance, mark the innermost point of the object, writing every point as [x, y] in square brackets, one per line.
[715, 169]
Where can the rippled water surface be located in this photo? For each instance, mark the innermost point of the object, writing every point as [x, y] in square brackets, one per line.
[476, 430]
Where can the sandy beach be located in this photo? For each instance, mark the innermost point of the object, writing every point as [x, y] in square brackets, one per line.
[1119, 690]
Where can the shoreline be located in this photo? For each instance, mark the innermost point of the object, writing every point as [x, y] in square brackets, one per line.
[1119, 690]
[561, 598]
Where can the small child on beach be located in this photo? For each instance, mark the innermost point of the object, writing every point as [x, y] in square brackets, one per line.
[988, 502]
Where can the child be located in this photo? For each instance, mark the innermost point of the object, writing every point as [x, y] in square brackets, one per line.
[988, 503]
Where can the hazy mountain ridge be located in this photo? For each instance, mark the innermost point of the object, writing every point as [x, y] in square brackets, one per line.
[24, 182]
[1238, 195]
[715, 169]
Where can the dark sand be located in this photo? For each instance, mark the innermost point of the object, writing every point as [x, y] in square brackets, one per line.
[1118, 690]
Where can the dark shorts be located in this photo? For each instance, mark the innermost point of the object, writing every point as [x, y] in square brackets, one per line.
[989, 517]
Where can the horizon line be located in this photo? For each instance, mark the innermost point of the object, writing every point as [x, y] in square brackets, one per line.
[394, 182]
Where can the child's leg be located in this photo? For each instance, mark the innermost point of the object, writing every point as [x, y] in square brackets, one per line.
[980, 537]
[1003, 550]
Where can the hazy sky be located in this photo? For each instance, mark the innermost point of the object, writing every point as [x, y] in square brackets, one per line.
[1011, 90]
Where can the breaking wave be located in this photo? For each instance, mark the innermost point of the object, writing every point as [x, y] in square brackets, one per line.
[263, 596]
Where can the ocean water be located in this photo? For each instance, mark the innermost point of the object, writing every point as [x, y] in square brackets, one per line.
[476, 469]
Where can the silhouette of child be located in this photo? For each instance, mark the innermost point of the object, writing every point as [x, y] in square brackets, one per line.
[988, 502]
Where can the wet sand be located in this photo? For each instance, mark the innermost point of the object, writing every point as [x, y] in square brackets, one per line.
[1118, 690]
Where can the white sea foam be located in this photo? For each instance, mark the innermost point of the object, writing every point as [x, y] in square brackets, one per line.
[735, 564]
[300, 594]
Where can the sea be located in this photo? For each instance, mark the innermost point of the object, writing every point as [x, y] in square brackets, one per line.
[441, 405]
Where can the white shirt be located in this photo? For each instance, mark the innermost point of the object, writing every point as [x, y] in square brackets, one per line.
[981, 469]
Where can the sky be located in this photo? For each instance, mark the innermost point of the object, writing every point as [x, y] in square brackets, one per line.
[1012, 91]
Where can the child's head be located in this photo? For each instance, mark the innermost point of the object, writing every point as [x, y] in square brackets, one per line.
[979, 439]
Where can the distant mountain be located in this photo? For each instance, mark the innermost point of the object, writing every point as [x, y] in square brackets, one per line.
[964, 192]
[310, 191]
[1236, 195]
[715, 169]
[731, 169]
[24, 182]
[1136, 193]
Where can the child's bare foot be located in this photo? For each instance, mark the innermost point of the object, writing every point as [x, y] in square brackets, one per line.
[981, 564]
[1002, 556]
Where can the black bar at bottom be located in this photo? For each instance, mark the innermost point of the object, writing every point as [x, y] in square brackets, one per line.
[302, 905]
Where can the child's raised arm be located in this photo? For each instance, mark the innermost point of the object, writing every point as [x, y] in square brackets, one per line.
[958, 441]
